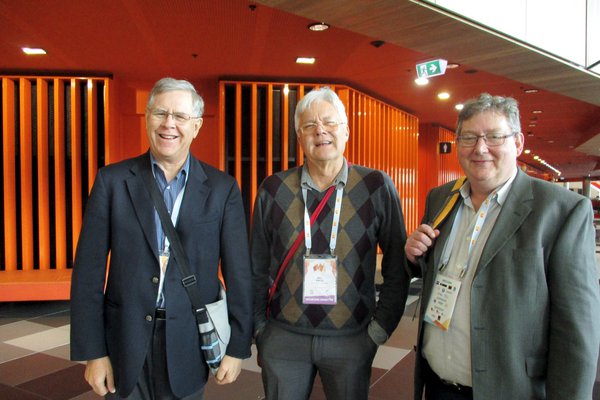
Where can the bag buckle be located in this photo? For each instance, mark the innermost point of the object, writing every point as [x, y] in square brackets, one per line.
[189, 280]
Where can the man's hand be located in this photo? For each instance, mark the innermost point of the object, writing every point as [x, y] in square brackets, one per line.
[229, 370]
[419, 241]
[99, 374]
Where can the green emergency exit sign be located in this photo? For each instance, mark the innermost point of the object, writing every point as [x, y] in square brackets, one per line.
[431, 68]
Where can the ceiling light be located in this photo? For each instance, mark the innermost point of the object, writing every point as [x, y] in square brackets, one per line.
[30, 51]
[452, 65]
[318, 26]
[530, 91]
[459, 106]
[536, 111]
[443, 95]
[421, 81]
[305, 60]
[527, 151]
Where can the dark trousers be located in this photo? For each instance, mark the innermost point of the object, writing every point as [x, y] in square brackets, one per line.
[290, 362]
[153, 383]
[436, 389]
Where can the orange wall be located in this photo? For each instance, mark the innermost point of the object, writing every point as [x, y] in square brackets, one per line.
[435, 168]
[127, 135]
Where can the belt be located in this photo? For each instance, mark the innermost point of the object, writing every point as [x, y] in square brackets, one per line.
[160, 313]
[456, 387]
[442, 385]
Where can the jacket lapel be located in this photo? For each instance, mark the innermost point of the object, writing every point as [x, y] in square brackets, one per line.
[142, 202]
[516, 208]
[196, 194]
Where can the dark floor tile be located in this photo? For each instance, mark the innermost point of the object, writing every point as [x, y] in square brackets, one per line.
[12, 393]
[34, 366]
[55, 320]
[247, 386]
[21, 310]
[397, 383]
[90, 395]
[60, 385]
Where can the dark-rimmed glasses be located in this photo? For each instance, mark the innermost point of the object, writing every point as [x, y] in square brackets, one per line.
[491, 139]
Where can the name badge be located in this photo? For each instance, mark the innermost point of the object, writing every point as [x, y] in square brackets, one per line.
[320, 279]
[442, 301]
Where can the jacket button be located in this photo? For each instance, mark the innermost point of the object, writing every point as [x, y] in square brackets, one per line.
[155, 279]
[149, 318]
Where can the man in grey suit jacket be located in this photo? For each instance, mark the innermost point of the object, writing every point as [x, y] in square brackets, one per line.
[511, 302]
[135, 326]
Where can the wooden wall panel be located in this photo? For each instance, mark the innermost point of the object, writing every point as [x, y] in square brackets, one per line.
[50, 128]
[43, 172]
[9, 174]
[381, 137]
[26, 174]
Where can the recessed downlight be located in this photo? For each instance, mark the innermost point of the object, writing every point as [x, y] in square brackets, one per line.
[33, 51]
[305, 60]
[318, 26]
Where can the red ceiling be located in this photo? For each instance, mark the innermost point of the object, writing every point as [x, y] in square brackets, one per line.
[206, 40]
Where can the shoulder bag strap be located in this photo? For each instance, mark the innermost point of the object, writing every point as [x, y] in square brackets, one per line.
[189, 279]
[295, 246]
[449, 203]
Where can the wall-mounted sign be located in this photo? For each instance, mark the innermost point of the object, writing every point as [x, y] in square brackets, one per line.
[431, 68]
[445, 147]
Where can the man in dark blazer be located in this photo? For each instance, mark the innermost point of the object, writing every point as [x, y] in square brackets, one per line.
[133, 322]
[511, 303]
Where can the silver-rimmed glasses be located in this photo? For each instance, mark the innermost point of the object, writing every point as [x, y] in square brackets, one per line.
[179, 117]
[328, 126]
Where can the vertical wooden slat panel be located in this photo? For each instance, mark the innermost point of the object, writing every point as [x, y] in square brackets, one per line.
[284, 129]
[107, 122]
[9, 174]
[269, 155]
[43, 174]
[222, 116]
[26, 174]
[253, 146]
[76, 174]
[351, 127]
[92, 132]
[299, 152]
[238, 134]
[60, 201]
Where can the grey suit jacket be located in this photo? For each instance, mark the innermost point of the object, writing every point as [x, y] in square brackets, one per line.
[117, 321]
[535, 303]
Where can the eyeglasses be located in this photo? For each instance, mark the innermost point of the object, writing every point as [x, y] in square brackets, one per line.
[490, 139]
[179, 117]
[327, 126]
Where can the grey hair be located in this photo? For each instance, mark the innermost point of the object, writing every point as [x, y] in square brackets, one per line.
[169, 84]
[321, 94]
[506, 106]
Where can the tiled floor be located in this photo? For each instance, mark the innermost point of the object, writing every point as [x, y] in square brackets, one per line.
[34, 360]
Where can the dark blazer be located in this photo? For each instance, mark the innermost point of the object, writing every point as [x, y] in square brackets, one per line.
[118, 321]
[535, 304]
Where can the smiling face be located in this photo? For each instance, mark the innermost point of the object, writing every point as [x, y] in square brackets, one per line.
[488, 167]
[324, 144]
[170, 140]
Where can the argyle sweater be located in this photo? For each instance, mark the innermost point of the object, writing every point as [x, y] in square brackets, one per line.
[370, 216]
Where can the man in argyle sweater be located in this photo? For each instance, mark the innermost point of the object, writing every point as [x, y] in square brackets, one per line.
[324, 316]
